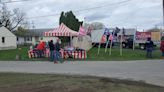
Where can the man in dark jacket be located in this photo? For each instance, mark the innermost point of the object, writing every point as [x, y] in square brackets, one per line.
[57, 52]
[51, 47]
[149, 47]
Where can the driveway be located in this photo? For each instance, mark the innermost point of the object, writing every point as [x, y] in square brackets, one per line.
[150, 71]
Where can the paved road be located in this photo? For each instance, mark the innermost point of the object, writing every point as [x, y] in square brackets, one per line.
[151, 71]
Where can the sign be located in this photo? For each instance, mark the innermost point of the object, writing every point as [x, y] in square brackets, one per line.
[155, 36]
[142, 35]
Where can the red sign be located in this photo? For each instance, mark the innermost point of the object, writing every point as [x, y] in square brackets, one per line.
[142, 35]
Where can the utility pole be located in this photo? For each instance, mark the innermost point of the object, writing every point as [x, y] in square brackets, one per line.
[163, 12]
[33, 25]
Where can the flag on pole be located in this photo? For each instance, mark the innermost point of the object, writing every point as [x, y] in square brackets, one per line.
[82, 31]
[107, 33]
[111, 37]
[121, 42]
[103, 39]
[104, 36]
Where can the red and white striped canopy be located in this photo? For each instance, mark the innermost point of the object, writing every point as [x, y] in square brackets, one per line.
[62, 30]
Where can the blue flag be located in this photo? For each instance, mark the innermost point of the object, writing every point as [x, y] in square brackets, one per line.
[106, 32]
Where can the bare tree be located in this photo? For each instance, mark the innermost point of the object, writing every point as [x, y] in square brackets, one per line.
[94, 25]
[11, 19]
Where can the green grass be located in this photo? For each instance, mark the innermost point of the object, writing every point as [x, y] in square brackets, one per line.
[128, 54]
[15, 82]
[11, 54]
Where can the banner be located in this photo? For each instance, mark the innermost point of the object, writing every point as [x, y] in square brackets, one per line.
[155, 36]
[142, 35]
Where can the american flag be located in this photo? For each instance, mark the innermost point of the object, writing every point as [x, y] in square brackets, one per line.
[104, 36]
[103, 39]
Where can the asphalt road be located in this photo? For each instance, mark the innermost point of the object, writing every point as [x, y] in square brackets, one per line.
[150, 71]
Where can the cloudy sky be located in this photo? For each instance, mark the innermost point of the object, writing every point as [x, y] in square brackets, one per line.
[112, 13]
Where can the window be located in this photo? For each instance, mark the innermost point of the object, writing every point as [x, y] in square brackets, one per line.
[41, 38]
[29, 38]
[3, 39]
[17, 39]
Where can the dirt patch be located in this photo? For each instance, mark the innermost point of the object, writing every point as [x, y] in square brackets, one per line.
[65, 83]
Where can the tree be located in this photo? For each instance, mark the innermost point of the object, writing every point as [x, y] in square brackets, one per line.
[21, 31]
[11, 19]
[94, 25]
[70, 20]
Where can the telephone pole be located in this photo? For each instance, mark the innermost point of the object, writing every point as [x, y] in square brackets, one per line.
[163, 12]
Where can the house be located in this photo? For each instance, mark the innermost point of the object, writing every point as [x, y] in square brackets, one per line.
[33, 36]
[7, 39]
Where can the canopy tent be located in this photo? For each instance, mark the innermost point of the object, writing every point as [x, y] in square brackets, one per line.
[62, 30]
[83, 41]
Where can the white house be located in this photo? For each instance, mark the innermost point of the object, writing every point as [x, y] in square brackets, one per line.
[33, 36]
[7, 39]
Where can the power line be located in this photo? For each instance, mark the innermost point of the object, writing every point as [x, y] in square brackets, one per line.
[81, 10]
[15, 1]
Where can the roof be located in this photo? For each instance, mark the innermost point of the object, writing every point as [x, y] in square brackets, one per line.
[62, 30]
[33, 32]
[5, 32]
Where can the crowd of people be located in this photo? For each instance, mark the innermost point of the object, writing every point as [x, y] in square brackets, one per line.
[53, 50]
[40, 50]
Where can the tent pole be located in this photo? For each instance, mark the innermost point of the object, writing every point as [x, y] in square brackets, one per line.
[71, 40]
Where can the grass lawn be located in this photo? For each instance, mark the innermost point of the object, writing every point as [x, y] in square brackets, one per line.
[15, 82]
[11, 54]
[128, 54]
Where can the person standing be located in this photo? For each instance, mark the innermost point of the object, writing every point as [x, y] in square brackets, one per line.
[162, 47]
[58, 57]
[41, 48]
[51, 47]
[149, 47]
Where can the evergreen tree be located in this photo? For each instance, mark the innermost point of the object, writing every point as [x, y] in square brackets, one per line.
[70, 20]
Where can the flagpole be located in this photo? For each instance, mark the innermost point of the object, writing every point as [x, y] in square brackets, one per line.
[121, 45]
[99, 49]
[106, 47]
[110, 52]
[134, 38]
[107, 34]
[111, 42]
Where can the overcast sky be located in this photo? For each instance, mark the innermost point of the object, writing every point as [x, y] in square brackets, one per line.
[141, 13]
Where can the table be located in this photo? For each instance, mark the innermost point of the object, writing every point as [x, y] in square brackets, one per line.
[64, 53]
[74, 54]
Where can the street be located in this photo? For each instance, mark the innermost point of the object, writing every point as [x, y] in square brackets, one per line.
[150, 71]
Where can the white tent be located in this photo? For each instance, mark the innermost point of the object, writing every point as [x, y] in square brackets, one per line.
[83, 42]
